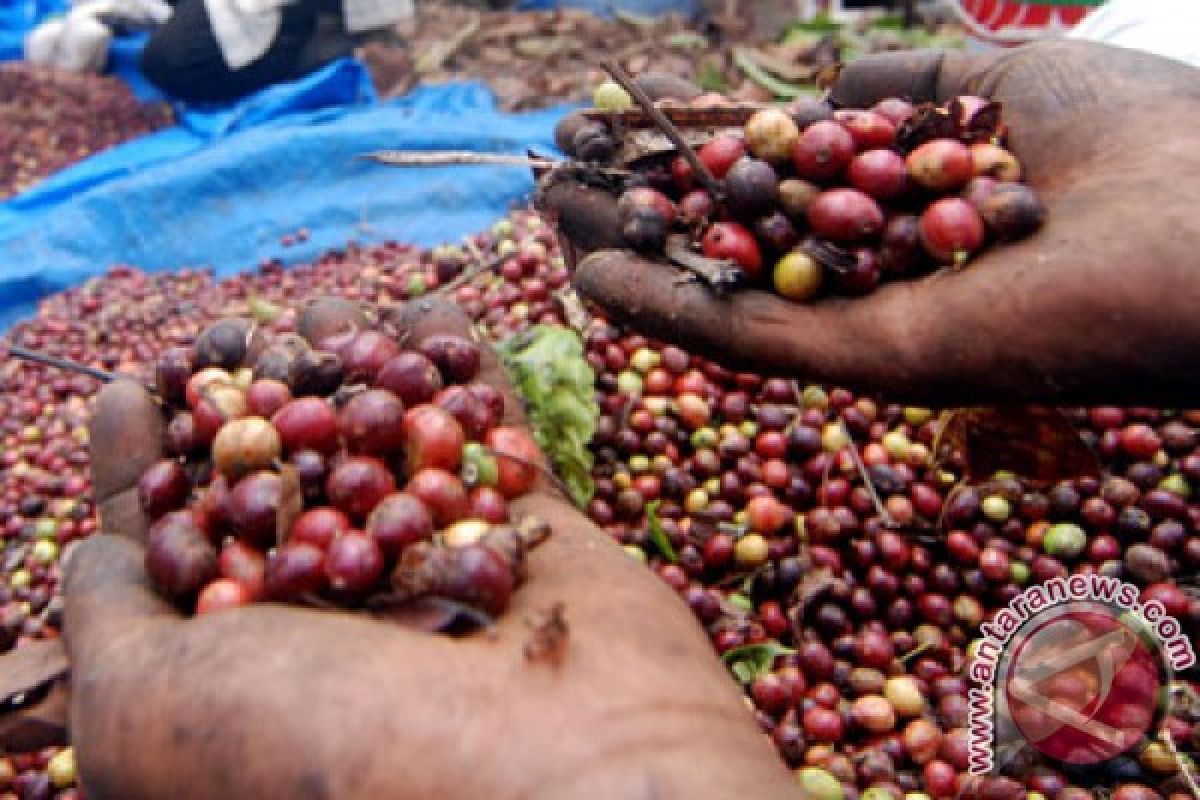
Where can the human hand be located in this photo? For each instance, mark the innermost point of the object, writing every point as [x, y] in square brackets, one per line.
[1096, 307]
[273, 701]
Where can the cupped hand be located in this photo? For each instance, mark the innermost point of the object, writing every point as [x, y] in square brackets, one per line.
[1096, 307]
[270, 701]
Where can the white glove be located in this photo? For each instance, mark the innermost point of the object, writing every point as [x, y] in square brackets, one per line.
[83, 46]
[41, 43]
[126, 15]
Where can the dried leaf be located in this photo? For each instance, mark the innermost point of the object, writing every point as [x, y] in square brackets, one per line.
[1035, 443]
[814, 584]
[548, 637]
[734, 116]
[977, 123]
[929, 122]
[750, 65]
[572, 309]
[291, 502]
[720, 275]
[834, 258]
[640, 144]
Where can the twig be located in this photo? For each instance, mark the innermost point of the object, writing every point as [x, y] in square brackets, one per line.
[437, 56]
[62, 363]
[469, 275]
[1184, 767]
[753, 70]
[451, 158]
[439, 158]
[866, 478]
[666, 126]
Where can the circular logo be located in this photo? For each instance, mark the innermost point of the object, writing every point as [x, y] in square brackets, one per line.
[1081, 684]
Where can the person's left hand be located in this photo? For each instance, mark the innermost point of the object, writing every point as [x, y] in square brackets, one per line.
[272, 701]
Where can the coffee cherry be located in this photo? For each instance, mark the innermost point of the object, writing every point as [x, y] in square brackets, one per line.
[845, 216]
[221, 595]
[411, 377]
[720, 153]
[941, 165]
[353, 563]
[163, 487]
[307, 423]
[371, 423]
[611, 96]
[358, 484]
[882, 174]
[456, 358]
[179, 558]
[729, 240]
[951, 230]
[823, 151]
[245, 445]
[399, 520]
[293, 571]
[770, 135]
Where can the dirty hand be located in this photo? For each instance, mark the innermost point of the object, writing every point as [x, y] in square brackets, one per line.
[270, 701]
[1099, 306]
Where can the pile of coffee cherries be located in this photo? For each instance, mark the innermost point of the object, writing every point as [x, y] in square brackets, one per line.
[51, 118]
[813, 201]
[718, 455]
[353, 472]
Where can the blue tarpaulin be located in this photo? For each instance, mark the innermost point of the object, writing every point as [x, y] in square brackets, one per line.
[220, 188]
[607, 7]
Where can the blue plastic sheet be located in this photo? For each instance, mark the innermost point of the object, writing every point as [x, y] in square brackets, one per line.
[221, 188]
[18, 17]
[607, 7]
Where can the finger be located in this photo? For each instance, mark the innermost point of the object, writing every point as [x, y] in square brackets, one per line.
[125, 435]
[107, 596]
[664, 86]
[430, 316]
[920, 76]
[874, 342]
[329, 316]
[658, 85]
[585, 215]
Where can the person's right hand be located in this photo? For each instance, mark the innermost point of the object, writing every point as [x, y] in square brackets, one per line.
[1100, 305]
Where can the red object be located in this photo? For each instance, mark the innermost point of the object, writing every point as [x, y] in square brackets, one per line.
[996, 15]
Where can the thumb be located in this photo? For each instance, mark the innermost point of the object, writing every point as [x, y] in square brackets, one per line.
[125, 435]
[107, 596]
[920, 76]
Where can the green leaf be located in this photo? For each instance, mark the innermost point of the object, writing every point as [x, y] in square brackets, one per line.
[658, 535]
[548, 366]
[821, 23]
[889, 22]
[743, 671]
[687, 40]
[749, 661]
[710, 78]
[741, 602]
[754, 72]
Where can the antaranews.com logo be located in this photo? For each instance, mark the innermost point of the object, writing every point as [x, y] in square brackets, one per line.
[1076, 668]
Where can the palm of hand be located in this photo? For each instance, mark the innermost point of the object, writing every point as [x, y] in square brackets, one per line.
[272, 701]
[1071, 314]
